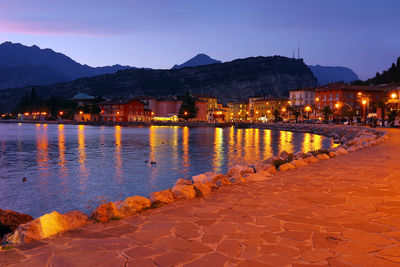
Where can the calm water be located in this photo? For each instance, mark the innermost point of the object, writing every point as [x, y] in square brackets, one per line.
[71, 167]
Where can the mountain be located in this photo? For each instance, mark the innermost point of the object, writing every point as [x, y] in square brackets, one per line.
[326, 74]
[254, 76]
[198, 60]
[22, 65]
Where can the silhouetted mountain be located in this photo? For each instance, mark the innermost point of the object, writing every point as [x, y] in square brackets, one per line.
[198, 60]
[391, 75]
[254, 76]
[326, 74]
[34, 66]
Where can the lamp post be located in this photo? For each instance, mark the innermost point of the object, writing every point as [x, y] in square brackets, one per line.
[316, 106]
[284, 111]
[364, 102]
[308, 110]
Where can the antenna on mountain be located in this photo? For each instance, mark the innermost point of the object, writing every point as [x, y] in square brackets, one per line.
[298, 50]
[293, 54]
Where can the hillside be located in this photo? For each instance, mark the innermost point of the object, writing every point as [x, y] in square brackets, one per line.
[391, 75]
[227, 81]
[326, 74]
[22, 65]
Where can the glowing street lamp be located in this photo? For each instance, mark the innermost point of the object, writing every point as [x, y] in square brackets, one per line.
[308, 110]
[393, 95]
[81, 112]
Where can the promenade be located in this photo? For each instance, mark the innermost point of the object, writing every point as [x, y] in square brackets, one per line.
[340, 212]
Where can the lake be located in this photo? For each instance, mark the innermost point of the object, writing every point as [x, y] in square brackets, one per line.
[75, 167]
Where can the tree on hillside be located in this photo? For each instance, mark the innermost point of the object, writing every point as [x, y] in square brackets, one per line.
[188, 108]
[327, 111]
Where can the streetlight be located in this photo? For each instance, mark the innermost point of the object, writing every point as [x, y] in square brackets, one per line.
[364, 101]
[81, 112]
[308, 110]
[393, 95]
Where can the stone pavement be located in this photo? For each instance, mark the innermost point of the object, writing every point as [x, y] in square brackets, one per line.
[339, 212]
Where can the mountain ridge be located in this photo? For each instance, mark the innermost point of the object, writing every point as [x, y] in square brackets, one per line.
[273, 76]
[198, 60]
[35, 61]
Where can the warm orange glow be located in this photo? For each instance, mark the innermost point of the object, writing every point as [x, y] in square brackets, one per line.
[61, 112]
[337, 105]
[364, 102]
[81, 112]
[308, 109]
[118, 112]
[283, 109]
[256, 112]
[317, 99]
[185, 113]
[359, 93]
[26, 114]
[44, 113]
[152, 113]
[394, 95]
[268, 111]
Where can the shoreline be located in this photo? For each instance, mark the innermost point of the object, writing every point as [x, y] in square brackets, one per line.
[351, 138]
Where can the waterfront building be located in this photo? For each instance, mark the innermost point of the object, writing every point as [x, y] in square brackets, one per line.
[212, 102]
[218, 115]
[124, 111]
[239, 110]
[264, 108]
[358, 98]
[83, 99]
[302, 97]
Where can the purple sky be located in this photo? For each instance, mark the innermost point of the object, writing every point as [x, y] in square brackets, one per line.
[360, 34]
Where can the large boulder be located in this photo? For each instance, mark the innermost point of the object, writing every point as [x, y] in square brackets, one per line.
[47, 225]
[202, 189]
[134, 205]
[204, 177]
[242, 169]
[259, 176]
[182, 191]
[322, 156]
[299, 163]
[105, 212]
[164, 196]
[10, 220]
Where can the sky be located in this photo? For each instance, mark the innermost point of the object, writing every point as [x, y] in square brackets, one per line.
[361, 34]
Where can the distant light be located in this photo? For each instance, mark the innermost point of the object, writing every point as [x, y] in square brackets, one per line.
[394, 95]
[317, 99]
[61, 113]
[81, 112]
[364, 102]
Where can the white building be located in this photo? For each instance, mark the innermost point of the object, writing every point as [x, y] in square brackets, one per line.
[302, 97]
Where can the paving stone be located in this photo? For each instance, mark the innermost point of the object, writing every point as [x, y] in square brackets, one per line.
[173, 258]
[355, 248]
[281, 250]
[367, 261]
[214, 259]
[231, 248]
[316, 255]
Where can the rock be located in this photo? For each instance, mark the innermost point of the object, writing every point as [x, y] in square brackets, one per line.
[212, 186]
[271, 169]
[224, 182]
[164, 196]
[322, 156]
[257, 177]
[312, 159]
[47, 225]
[182, 182]
[205, 177]
[10, 220]
[332, 154]
[105, 212]
[242, 169]
[134, 205]
[284, 155]
[202, 189]
[283, 167]
[341, 150]
[183, 191]
[299, 162]
[218, 177]
[299, 155]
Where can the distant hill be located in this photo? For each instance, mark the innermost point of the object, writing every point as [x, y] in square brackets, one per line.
[326, 74]
[254, 76]
[391, 75]
[198, 60]
[22, 65]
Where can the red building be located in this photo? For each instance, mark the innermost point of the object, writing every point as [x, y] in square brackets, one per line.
[357, 97]
[124, 111]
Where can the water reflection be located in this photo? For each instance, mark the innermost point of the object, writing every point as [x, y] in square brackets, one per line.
[61, 151]
[118, 157]
[286, 141]
[82, 155]
[267, 144]
[218, 149]
[42, 155]
[185, 149]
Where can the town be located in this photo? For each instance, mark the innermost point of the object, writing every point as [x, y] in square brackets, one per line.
[335, 102]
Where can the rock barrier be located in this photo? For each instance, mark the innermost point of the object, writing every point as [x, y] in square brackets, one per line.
[349, 138]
